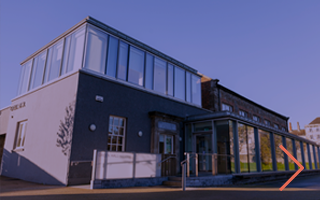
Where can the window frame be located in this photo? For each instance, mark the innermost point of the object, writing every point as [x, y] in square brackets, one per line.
[23, 133]
[165, 144]
[230, 108]
[123, 136]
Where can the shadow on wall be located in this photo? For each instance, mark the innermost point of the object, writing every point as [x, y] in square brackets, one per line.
[17, 166]
[66, 129]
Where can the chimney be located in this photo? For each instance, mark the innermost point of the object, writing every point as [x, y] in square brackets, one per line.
[290, 127]
[298, 126]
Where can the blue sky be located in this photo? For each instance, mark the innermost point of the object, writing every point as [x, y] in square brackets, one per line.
[267, 51]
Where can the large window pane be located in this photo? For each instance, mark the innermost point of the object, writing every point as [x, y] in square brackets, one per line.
[160, 75]
[247, 150]
[188, 87]
[232, 165]
[149, 71]
[136, 66]
[306, 157]
[112, 56]
[196, 89]
[243, 149]
[311, 156]
[66, 53]
[96, 50]
[179, 83]
[265, 151]
[38, 70]
[290, 150]
[251, 149]
[76, 50]
[279, 153]
[24, 77]
[54, 61]
[123, 61]
[299, 152]
[170, 80]
[317, 157]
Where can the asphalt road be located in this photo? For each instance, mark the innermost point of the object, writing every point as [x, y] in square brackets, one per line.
[303, 188]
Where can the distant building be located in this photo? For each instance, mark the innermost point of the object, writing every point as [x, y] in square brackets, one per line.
[298, 131]
[312, 130]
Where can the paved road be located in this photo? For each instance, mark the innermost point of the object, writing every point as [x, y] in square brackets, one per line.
[304, 188]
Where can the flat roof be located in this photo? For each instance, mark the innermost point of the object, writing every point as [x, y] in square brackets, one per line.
[118, 34]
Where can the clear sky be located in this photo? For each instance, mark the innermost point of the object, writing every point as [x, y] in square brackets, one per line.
[267, 51]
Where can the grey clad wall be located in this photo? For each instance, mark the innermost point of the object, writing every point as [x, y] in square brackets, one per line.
[119, 100]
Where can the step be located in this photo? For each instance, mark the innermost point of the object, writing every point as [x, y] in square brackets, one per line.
[175, 178]
[172, 183]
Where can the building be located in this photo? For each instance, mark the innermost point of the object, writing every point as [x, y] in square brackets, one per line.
[300, 132]
[313, 130]
[94, 87]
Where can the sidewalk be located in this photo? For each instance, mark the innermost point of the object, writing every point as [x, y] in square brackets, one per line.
[18, 189]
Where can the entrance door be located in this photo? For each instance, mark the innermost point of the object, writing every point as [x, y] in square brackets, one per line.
[166, 148]
[204, 150]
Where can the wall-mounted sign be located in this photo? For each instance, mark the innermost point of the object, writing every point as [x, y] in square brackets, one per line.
[167, 126]
[17, 106]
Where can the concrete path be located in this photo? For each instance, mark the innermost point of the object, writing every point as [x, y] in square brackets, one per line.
[301, 188]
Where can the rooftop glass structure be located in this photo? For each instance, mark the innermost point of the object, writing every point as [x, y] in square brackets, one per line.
[101, 50]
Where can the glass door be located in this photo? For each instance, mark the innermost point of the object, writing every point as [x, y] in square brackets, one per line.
[204, 150]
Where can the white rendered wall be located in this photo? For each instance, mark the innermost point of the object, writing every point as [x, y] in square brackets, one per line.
[42, 159]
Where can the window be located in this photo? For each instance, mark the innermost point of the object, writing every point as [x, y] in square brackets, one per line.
[279, 153]
[267, 122]
[166, 144]
[24, 77]
[243, 113]
[76, 50]
[38, 69]
[160, 74]
[170, 80]
[310, 130]
[289, 144]
[196, 89]
[299, 152]
[149, 72]
[256, 118]
[247, 151]
[311, 136]
[96, 50]
[21, 134]
[276, 126]
[112, 56]
[179, 83]
[188, 87]
[318, 136]
[136, 66]
[317, 129]
[116, 135]
[123, 61]
[265, 151]
[53, 62]
[226, 107]
[283, 128]
[306, 157]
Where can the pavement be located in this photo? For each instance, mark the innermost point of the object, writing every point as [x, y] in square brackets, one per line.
[300, 188]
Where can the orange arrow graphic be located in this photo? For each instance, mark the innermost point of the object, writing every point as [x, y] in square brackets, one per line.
[295, 174]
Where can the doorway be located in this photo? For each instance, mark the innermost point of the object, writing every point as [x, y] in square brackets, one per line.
[204, 150]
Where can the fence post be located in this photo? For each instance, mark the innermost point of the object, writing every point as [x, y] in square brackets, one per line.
[184, 176]
[197, 165]
[213, 165]
[188, 165]
[134, 166]
[94, 163]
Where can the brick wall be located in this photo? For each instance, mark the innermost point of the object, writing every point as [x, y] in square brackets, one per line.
[213, 95]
